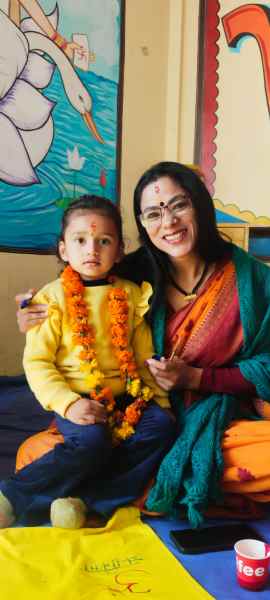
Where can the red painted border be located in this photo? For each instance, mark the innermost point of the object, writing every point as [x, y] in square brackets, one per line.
[208, 91]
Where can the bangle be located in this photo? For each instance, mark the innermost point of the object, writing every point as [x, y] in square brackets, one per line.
[59, 40]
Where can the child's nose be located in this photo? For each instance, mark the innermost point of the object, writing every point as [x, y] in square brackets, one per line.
[91, 246]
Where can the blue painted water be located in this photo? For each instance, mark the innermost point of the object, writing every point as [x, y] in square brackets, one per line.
[30, 216]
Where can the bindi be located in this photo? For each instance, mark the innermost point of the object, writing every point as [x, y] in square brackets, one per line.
[157, 188]
[93, 228]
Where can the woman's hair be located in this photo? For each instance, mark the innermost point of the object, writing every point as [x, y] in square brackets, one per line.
[96, 204]
[210, 245]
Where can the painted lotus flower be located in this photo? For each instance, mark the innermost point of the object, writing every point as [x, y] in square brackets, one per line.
[75, 161]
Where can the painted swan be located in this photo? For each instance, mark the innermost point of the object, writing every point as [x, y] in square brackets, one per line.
[26, 124]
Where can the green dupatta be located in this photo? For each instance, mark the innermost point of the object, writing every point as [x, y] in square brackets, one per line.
[190, 473]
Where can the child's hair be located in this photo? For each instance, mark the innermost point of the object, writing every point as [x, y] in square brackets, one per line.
[96, 204]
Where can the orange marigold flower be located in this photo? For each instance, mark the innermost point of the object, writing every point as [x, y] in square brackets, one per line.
[119, 331]
[132, 415]
[83, 335]
[117, 293]
[78, 312]
[88, 339]
[125, 356]
[123, 432]
[79, 327]
[87, 355]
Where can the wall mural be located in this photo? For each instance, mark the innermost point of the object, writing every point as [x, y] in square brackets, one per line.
[60, 91]
[233, 127]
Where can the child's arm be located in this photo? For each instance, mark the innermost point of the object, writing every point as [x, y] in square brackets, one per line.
[40, 359]
[143, 350]
[142, 343]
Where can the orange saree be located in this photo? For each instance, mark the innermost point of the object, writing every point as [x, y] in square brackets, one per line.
[209, 333]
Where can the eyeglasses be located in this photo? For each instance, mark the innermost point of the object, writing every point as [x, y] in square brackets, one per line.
[177, 207]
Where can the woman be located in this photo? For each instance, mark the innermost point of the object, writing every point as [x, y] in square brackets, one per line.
[210, 317]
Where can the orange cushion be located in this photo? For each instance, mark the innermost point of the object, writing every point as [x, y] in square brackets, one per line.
[38, 445]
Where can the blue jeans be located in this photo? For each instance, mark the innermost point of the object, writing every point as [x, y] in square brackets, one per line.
[86, 465]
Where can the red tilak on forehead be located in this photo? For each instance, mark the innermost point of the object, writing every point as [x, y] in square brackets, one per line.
[93, 227]
[157, 188]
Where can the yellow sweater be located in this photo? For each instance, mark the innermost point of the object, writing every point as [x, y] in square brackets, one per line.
[51, 361]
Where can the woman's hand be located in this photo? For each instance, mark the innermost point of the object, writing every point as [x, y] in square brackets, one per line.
[31, 315]
[86, 412]
[175, 373]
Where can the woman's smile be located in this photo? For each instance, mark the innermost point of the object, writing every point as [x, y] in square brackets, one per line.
[176, 237]
[175, 233]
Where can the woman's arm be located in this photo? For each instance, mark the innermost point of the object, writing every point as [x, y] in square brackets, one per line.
[227, 380]
[176, 373]
[31, 315]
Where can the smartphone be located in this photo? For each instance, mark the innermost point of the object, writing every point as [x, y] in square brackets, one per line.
[212, 539]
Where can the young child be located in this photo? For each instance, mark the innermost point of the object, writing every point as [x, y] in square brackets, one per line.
[86, 364]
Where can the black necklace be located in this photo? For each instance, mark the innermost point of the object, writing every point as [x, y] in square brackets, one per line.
[95, 282]
[189, 295]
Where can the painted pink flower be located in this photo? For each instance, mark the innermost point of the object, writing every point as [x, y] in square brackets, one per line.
[102, 178]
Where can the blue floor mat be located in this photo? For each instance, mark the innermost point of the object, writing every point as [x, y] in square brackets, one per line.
[215, 571]
[20, 416]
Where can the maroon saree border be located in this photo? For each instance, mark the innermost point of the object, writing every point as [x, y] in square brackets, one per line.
[207, 90]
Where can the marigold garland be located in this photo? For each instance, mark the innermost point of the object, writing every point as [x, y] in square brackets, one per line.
[122, 423]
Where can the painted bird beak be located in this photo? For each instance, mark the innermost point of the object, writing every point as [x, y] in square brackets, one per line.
[89, 121]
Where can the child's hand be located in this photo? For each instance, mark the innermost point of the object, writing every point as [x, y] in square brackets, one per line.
[86, 412]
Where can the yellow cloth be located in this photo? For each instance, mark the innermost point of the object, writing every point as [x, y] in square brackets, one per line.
[51, 360]
[122, 560]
